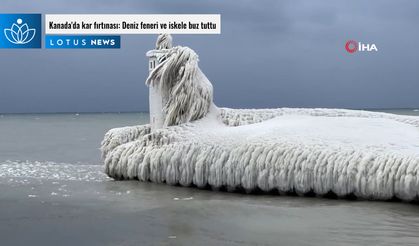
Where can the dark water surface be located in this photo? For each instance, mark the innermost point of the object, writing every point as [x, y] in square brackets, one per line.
[53, 192]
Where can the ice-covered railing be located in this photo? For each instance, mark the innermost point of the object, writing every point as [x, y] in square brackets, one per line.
[239, 117]
[118, 136]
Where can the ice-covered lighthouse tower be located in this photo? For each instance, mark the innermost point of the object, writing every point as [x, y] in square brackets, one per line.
[156, 99]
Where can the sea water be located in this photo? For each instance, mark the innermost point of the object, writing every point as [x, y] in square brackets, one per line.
[53, 191]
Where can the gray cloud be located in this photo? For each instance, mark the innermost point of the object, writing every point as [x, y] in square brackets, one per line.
[270, 54]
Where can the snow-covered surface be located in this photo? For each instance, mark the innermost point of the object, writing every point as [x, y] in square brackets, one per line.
[345, 152]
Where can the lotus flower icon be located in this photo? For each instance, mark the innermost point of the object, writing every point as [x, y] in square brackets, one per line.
[19, 33]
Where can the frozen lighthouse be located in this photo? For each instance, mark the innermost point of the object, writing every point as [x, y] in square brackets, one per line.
[179, 91]
[192, 142]
[156, 98]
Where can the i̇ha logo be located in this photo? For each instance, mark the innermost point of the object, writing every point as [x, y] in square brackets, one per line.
[19, 33]
[352, 46]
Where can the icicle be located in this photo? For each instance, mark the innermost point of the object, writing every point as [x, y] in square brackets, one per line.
[164, 41]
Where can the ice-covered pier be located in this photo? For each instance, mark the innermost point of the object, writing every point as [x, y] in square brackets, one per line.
[191, 141]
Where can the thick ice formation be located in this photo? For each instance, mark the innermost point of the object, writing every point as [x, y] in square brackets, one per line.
[322, 151]
[176, 77]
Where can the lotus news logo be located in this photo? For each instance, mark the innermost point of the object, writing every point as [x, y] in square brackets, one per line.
[20, 30]
[20, 33]
[353, 46]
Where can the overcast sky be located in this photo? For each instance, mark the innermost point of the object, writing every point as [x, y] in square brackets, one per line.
[269, 54]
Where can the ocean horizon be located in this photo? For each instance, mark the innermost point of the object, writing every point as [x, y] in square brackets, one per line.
[401, 111]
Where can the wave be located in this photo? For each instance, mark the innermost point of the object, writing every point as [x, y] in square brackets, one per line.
[51, 171]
